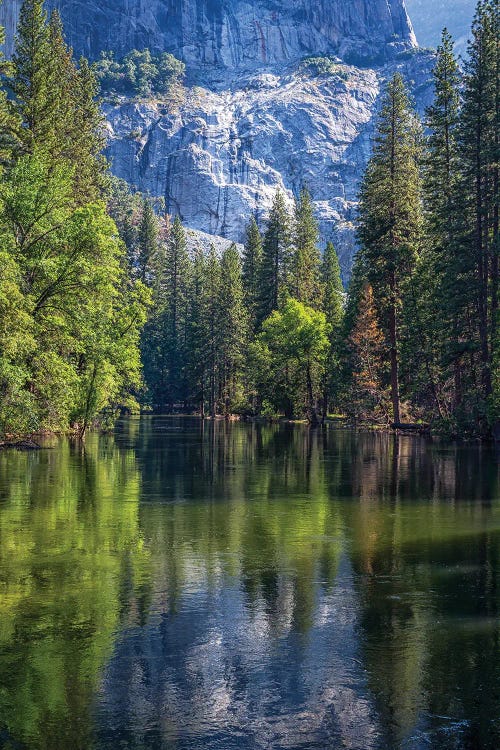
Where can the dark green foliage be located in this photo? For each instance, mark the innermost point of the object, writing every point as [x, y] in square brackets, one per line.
[268, 332]
[276, 258]
[147, 242]
[390, 220]
[323, 66]
[252, 262]
[333, 308]
[306, 261]
[478, 251]
[140, 73]
[233, 331]
[164, 344]
[436, 285]
[32, 80]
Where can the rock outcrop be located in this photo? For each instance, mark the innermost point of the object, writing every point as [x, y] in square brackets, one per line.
[253, 118]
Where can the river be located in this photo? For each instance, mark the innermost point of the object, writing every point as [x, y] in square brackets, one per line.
[181, 585]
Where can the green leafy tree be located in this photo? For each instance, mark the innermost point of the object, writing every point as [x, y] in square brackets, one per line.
[289, 359]
[390, 219]
[82, 321]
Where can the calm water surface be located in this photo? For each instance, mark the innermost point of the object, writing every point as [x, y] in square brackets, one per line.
[180, 586]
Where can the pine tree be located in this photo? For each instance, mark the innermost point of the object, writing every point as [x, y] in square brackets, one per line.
[31, 81]
[306, 286]
[478, 149]
[196, 350]
[165, 336]
[275, 268]
[366, 345]
[88, 138]
[438, 289]
[333, 308]
[9, 124]
[211, 326]
[147, 242]
[390, 219]
[176, 279]
[333, 289]
[233, 329]
[252, 261]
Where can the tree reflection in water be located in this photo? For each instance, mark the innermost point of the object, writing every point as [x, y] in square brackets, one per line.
[198, 585]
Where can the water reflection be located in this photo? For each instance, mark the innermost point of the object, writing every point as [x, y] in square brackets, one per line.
[187, 585]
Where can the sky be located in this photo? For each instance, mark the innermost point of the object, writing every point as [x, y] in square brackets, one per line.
[429, 17]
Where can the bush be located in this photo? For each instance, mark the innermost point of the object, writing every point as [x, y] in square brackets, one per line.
[322, 66]
[139, 73]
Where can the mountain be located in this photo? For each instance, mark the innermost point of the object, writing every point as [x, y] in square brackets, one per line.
[257, 112]
[429, 17]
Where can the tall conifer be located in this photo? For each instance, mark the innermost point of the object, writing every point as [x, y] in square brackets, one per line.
[275, 268]
[233, 329]
[252, 261]
[305, 283]
[390, 219]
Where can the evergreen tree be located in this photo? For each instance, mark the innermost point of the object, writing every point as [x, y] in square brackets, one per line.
[32, 79]
[306, 286]
[390, 219]
[333, 289]
[164, 340]
[252, 260]
[275, 268]
[366, 343]
[196, 357]
[233, 330]
[437, 366]
[478, 191]
[9, 124]
[88, 138]
[333, 308]
[147, 242]
[211, 326]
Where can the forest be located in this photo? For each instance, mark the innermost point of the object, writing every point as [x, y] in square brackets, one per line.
[105, 310]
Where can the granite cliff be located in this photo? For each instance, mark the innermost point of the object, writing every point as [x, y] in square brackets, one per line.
[254, 115]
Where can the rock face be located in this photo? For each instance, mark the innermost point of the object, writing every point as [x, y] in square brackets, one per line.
[220, 156]
[233, 32]
[253, 119]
